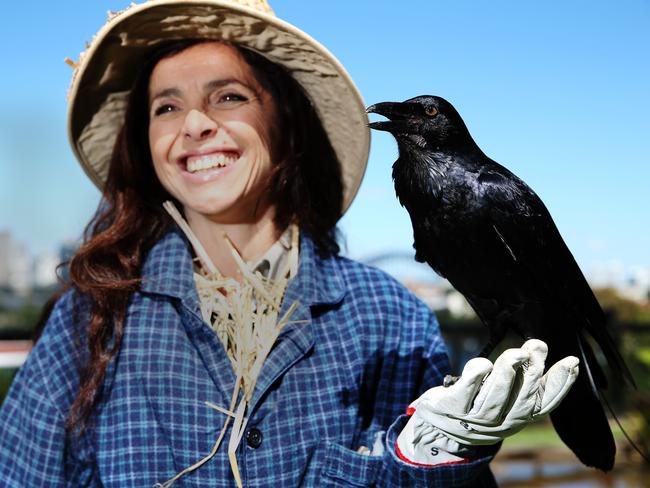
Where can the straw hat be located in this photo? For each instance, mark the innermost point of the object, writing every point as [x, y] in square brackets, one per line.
[106, 70]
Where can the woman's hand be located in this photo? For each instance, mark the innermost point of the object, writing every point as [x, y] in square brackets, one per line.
[487, 403]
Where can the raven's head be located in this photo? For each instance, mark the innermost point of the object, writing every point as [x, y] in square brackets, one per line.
[426, 122]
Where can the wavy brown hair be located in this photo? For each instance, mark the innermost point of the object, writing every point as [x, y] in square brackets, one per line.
[306, 187]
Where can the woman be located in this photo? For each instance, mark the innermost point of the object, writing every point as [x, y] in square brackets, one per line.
[203, 342]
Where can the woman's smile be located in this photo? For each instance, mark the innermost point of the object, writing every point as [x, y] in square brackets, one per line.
[203, 162]
[207, 165]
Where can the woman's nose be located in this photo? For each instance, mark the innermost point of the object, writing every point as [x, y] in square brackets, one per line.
[198, 125]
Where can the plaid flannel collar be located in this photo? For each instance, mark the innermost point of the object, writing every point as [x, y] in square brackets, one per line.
[167, 270]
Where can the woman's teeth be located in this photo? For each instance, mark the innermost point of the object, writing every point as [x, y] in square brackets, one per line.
[199, 163]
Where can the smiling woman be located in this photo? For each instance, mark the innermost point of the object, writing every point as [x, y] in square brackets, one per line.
[209, 297]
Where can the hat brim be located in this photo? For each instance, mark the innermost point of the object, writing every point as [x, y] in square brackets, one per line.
[106, 71]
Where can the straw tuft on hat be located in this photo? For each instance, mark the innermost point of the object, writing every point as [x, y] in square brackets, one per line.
[105, 72]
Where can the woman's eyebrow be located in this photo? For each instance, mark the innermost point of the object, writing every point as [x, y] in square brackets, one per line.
[211, 85]
[166, 92]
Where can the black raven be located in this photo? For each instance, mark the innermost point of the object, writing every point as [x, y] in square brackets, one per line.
[481, 227]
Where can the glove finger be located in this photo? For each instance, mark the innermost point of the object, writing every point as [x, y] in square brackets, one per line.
[555, 384]
[464, 391]
[458, 398]
[496, 390]
[528, 391]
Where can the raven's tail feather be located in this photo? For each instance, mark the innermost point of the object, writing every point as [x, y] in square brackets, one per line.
[611, 352]
[582, 425]
[580, 420]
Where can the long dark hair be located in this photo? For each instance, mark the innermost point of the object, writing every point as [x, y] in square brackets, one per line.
[306, 187]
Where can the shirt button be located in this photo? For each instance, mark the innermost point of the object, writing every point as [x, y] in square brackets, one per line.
[254, 437]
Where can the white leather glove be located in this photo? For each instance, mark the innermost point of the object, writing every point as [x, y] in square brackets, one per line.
[486, 404]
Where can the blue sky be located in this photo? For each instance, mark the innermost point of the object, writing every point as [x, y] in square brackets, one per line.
[556, 91]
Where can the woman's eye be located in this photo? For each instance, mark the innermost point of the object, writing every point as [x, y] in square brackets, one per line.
[231, 98]
[163, 109]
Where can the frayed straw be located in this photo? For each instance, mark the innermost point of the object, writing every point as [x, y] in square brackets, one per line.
[245, 318]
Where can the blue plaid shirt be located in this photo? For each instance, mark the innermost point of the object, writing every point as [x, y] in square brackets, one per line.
[368, 348]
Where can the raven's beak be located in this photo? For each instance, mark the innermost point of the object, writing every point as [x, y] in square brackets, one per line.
[394, 111]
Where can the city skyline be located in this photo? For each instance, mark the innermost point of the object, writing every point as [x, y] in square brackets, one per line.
[22, 270]
[556, 92]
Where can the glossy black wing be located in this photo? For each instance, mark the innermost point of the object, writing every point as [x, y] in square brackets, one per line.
[527, 230]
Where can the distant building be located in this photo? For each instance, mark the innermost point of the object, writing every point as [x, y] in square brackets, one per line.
[15, 264]
[458, 306]
[637, 286]
[66, 251]
[5, 244]
[45, 269]
[633, 284]
[432, 294]
[441, 296]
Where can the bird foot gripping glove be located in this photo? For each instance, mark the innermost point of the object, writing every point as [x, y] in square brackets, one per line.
[488, 403]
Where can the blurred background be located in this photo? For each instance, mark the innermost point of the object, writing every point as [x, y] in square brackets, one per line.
[556, 91]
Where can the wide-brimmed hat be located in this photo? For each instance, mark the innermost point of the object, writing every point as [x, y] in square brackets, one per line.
[105, 72]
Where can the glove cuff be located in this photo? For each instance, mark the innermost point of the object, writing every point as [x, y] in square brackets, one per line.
[443, 458]
[425, 453]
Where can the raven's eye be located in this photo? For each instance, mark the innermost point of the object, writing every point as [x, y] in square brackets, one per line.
[431, 111]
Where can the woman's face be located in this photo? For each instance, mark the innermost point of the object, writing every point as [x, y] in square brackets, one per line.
[209, 131]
